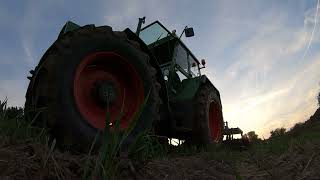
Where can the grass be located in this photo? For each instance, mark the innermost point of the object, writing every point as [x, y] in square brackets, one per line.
[280, 144]
[285, 155]
[102, 165]
[107, 163]
[114, 144]
[14, 125]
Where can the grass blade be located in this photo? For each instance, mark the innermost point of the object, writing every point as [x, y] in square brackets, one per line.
[87, 163]
[135, 119]
[50, 152]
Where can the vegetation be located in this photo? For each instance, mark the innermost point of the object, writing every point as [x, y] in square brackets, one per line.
[252, 136]
[277, 132]
[106, 166]
[291, 152]
[14, 126]
[101, 164]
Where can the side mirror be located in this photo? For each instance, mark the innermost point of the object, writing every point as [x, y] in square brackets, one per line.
[203, 62]
[189, 32]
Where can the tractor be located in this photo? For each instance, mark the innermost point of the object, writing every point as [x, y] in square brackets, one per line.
[89, 67]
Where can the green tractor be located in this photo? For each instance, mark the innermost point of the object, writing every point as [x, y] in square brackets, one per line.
[88, 67]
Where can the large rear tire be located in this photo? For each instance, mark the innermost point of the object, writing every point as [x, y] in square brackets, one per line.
[74, 76]
[208, 119]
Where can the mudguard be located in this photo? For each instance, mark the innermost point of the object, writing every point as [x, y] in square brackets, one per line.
[69, 26]
[183, 103]
[189, 88]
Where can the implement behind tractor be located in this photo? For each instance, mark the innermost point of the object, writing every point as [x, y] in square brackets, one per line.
[89, 68]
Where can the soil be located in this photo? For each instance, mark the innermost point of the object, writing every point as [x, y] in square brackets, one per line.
[29, 160]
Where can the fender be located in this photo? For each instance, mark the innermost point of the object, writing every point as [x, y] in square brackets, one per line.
[189, 88]
[205, 80]
[69, 26]
[182, 104]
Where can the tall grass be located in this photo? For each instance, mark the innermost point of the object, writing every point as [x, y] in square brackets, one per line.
[14, 126]
[105, 164]
[114, 144]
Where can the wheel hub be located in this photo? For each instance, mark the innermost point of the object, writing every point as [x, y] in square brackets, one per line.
[105, 93]
[107, 77]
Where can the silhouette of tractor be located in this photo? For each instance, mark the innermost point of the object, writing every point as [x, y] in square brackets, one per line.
[235, 143]
[88, 67]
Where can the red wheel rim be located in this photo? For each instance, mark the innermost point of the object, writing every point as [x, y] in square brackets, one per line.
[215, 121]
[112, 68]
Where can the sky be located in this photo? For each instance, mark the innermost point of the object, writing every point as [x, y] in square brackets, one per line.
[263, 56]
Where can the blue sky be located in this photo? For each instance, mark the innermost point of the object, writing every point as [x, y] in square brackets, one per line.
[255, 50]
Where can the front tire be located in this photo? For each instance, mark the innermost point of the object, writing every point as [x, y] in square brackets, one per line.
[208, 119]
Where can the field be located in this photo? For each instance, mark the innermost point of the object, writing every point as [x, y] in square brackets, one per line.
[27, 152]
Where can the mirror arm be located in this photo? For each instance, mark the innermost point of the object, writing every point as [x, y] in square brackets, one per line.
[141, 21]
[183, 32]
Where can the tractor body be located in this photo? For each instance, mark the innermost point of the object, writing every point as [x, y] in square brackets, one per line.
[181, 71]
[185, 94]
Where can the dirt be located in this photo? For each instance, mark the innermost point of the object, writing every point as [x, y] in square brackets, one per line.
[35, 161]
[193, 167]
[299, 162]
[29, 160]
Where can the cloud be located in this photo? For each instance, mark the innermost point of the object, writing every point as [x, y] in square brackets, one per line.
[13, 91]
[310, 15]
[281, 106]
[128, 12]
[27, 46]
[265, 86]
[313, 30]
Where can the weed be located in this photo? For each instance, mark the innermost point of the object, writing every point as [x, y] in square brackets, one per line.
[14, 125]
[143, 146]
[146, 146]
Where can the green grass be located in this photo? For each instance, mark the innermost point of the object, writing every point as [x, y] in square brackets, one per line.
[103, 164]
[280, 144]
[114, 144]
[106, 162]
[14, 126]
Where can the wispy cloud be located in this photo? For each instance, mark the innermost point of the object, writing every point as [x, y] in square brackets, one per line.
[27, 46]
[315, 22]
[267, 80]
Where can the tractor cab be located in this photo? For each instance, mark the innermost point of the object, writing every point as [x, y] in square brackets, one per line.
[171, 53]
[176, 60]
[182, 75]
